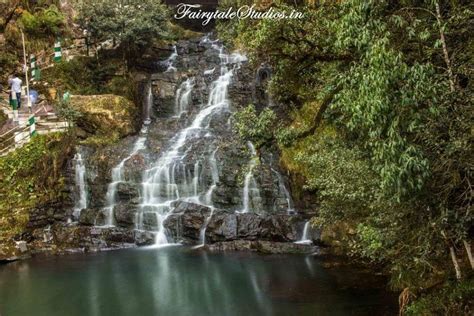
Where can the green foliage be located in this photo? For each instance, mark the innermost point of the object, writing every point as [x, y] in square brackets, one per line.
[340, 174]
[29, 176]
[131, 22]
[453, 299]
[257, 128]
[370, 241]
[392, 150]
[43, 22]
[88, 76]
[385, 102]
[64, 110]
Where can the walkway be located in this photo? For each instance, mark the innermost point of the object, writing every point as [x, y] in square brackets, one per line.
[15, 134]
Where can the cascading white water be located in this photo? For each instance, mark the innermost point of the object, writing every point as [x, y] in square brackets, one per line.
[170, 60]
[170, 178]
[117, 178]
[305, 237]
[202, 233]
[148, 104]
[250, 190]
[80, 179]
[209, 71]
[208, 196]
[183, 96]
[282, 186]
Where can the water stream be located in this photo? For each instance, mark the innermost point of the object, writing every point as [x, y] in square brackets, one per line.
[305, 238]
[169, 62]
[251, 193]
[118, 176]
[80, 181]
[169, 178]
[290, 209]
[183, 96]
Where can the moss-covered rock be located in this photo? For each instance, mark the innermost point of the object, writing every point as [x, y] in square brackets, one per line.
[105, 118]
[338, 236]
[31, 175]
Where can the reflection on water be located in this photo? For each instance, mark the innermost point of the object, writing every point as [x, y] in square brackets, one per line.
[178, 281]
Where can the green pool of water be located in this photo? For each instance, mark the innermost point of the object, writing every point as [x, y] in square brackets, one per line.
[180, 281]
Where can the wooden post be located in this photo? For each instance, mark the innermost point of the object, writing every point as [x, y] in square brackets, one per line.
[28, 102]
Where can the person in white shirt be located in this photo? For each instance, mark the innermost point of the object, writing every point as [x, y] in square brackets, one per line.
[15, 85]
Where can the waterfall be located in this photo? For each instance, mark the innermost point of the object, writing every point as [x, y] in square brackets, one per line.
[148, 104]
[170, 178]
[170, 60]
[250, 191]
[284, 189]
[183, 96]
[209, 71]
[305, 237]
[208, 196]
[202, 232]
[117, 178]
[80, 179]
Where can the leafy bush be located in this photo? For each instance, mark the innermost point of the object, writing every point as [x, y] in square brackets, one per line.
[81, 75]
[453, 298]
[133, 24]
[44, 22]
[257, 128]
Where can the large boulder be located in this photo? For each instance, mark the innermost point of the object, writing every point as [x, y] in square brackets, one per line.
[126, 191]
[91, 216]
[186, 221]
[222, 226]
[125, 214]
[105, 115]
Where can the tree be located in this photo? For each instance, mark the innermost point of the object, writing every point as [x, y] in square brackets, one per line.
[381, 126]
[254, 127]
[130, 23]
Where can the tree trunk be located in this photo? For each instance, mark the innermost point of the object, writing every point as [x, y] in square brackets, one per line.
[455, 262]
[467, 245]
[445, 48]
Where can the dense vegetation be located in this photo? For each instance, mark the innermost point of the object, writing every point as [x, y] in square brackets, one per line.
[381, 128]
[23, 184]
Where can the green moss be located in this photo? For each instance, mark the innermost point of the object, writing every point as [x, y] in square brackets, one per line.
[43, 22]
[101, 140]
[105, 118]
[179, 33]
[29, 176]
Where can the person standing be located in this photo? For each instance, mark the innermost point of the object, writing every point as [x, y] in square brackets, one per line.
[15, 85]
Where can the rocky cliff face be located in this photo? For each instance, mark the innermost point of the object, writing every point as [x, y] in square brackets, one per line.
[186, 177]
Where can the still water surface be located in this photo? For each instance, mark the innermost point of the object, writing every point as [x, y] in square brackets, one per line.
[178, 281]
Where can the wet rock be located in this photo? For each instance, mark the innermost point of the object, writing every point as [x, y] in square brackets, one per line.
[186, 221]
[150, 221]
[261, 246]
[125, 214]
[90, 216]
[222, 226]
[144, 238]
[127, 191]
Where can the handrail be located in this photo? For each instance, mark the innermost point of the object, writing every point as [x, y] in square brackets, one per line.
[6, 149]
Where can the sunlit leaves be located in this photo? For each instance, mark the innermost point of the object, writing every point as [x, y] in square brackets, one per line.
[254, 127]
